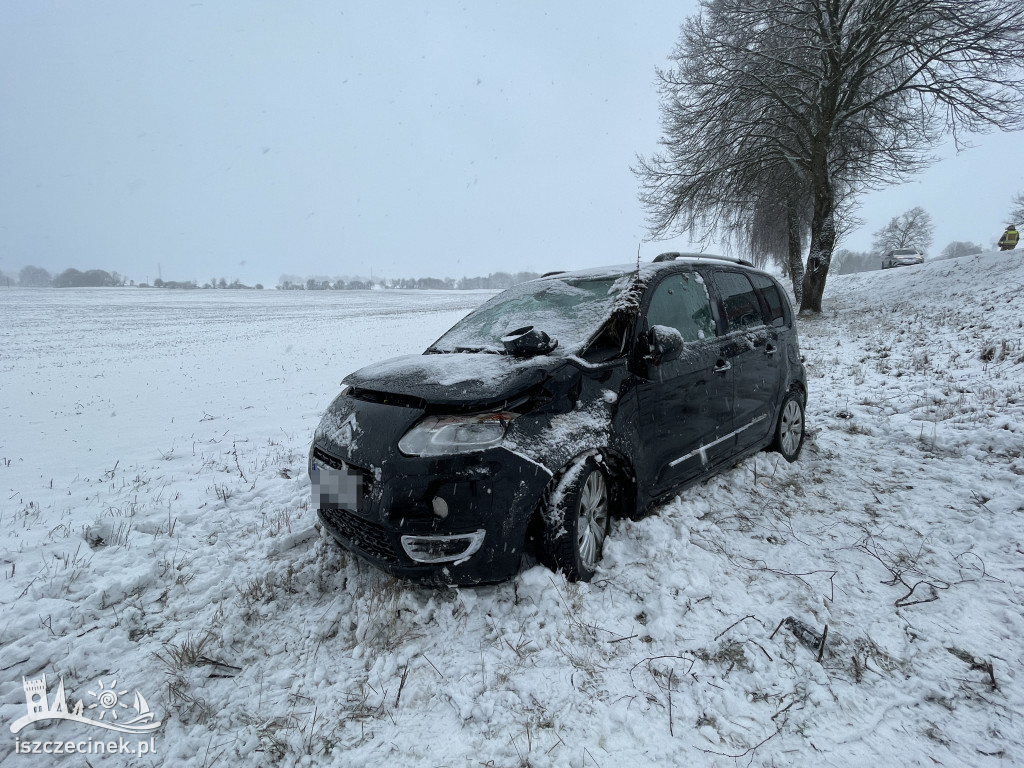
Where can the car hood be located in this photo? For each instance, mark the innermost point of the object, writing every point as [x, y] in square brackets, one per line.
[458, 378]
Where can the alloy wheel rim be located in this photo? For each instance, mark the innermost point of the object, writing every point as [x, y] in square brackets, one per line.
[792, 427]
[593, 519]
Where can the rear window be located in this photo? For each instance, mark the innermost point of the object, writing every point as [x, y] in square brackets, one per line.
[772, 296]
[742, 309]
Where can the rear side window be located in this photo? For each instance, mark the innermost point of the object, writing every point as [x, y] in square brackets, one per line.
[742, 309]
[681, 301]
[772, 296]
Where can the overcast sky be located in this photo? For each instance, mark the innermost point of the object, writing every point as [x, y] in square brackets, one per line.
[241, 139]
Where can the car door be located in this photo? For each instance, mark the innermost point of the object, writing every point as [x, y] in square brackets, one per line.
[683, 400]
[779, 340]
[750, 346]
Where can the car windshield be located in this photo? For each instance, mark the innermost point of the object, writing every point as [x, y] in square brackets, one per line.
[570, 310]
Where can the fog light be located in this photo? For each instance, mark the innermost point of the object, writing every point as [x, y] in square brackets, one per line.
[440, 507]
[443, 549]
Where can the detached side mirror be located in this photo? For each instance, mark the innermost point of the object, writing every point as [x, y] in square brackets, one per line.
[664, 344]
[528, 342]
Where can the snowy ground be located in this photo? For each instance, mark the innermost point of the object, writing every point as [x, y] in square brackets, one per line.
[156, 531]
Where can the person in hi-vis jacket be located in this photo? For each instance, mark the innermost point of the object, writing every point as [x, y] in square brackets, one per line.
[1009, 239]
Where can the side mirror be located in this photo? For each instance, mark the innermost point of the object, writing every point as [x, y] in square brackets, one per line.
[527, 342]
[664, 344]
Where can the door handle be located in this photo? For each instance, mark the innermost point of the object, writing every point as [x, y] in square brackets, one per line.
[770, 349]
[722, 366]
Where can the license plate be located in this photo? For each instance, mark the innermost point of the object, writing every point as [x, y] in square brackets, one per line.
[336, 487]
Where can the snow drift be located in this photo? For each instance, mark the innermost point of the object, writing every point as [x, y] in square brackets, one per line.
[861, 605]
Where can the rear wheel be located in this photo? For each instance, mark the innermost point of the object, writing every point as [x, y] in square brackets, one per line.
[789, 432]
[577, 516]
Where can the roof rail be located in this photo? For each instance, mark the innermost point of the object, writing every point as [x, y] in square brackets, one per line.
[556, 272]
[673, 255]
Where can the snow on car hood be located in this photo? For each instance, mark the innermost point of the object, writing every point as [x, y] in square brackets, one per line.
[459, 377]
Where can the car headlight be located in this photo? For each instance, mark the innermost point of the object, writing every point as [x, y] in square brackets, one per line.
[443, 435]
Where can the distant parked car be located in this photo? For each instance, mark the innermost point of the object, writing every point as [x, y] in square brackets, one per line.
[553, 407]
[902, 257]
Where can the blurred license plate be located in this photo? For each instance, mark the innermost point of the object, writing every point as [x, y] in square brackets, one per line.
[336, 487]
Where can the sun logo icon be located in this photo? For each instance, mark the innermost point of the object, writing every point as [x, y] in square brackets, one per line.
[107, 699]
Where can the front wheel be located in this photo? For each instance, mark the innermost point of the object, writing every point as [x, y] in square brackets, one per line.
[577, 517]
[789, 432]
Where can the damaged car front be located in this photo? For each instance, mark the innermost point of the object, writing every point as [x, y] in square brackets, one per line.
[432, 466]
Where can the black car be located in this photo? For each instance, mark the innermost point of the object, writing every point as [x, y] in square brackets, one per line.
[552, 408]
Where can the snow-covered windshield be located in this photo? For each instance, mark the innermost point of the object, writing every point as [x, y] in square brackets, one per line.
[570, 310]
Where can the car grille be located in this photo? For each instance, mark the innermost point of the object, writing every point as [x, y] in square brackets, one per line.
[362, 534]
[333, 463]
[330, 461]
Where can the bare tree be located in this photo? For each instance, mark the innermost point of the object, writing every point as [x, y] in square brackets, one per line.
[838, 95]
[913, 229]
[34, 277]
[777, 224]
[775, 231]
[736, 183]
[846, 262]
[1017, 212]
[960, 248]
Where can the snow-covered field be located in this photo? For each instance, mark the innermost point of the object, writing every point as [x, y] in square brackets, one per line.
[156, 533]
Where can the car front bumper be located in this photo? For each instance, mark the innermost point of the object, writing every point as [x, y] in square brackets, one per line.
[470, 510]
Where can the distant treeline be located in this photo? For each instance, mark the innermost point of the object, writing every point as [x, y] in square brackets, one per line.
[494, 281]
[37, 277]
[220, 284]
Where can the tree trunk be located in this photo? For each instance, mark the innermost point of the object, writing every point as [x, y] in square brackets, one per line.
[823, 240]
[796, 265]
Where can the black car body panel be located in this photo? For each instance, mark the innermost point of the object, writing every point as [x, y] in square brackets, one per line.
[459, 378]
[657, 419]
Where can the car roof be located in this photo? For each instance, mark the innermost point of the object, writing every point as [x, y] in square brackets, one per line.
[647, 269]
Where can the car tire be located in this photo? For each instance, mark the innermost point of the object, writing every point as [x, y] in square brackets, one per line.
[789, 431]
[576, 520]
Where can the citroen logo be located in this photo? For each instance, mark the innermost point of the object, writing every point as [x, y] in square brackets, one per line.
[347, 432]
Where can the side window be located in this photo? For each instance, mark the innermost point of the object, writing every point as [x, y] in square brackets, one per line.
[681, 301]
[772, 296]
[742, 309]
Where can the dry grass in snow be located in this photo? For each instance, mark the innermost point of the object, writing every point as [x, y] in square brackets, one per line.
[865, 604]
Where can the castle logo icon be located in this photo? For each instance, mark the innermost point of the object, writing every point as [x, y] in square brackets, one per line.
[110, 709]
